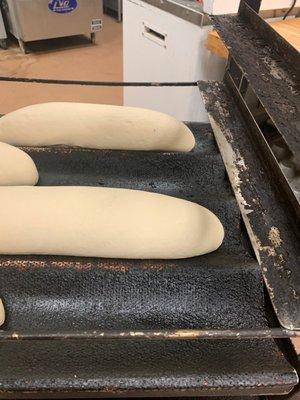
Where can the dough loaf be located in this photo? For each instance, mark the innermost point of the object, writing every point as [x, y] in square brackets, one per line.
[16, 167]
[2, 313]
[104, 222]
[95, 126]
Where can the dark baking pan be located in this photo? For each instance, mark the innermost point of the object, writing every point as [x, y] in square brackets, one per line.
[221, 290]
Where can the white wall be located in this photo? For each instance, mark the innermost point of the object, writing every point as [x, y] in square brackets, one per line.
[231, 6]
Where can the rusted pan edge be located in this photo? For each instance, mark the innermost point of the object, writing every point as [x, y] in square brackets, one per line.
[190, 334]
[272, 234]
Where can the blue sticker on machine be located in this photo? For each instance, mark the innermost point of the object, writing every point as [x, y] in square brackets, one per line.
[62, 6]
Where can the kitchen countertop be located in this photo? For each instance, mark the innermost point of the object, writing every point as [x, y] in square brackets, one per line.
[190, 10]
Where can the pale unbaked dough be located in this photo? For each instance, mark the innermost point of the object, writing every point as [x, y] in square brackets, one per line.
[95, 126]
[104, 222]
[2, 313]
[16, 167]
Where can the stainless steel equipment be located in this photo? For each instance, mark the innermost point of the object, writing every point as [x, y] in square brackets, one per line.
[30, 20]
[3, 35]
[114, 6]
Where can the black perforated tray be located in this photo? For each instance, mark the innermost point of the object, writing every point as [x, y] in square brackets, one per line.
[223, 289]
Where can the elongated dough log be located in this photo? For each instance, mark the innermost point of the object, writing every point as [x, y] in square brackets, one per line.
[2, 313]
[16, 167]
[95, 126]
[104, 222]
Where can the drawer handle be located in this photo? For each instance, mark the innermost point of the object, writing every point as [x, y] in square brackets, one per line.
[154, 35]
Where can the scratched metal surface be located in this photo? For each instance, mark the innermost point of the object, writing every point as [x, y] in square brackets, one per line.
[219, 290]
[273, 231]
[272, 66]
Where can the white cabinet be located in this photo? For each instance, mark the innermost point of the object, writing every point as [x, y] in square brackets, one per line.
[159, 46]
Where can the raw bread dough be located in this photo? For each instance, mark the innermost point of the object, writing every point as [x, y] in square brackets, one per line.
[16, 167]
[104, 222]
[2, 313]
[95, 126]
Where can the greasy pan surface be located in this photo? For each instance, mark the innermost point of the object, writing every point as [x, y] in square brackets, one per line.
[223, 289]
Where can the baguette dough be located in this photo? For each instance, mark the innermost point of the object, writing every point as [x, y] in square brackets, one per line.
[95, 126]
[104, 222]
[16, 167]
[2, 313]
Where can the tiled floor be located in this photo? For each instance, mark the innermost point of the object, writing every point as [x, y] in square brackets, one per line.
[67, 58]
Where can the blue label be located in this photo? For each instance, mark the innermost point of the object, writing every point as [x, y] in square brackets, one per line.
[62, 6]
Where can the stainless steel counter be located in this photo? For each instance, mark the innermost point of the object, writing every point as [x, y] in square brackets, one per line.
[190, 10]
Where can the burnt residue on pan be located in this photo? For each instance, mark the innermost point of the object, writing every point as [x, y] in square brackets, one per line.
[273, 231]
[272, 66]
[223, 289]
